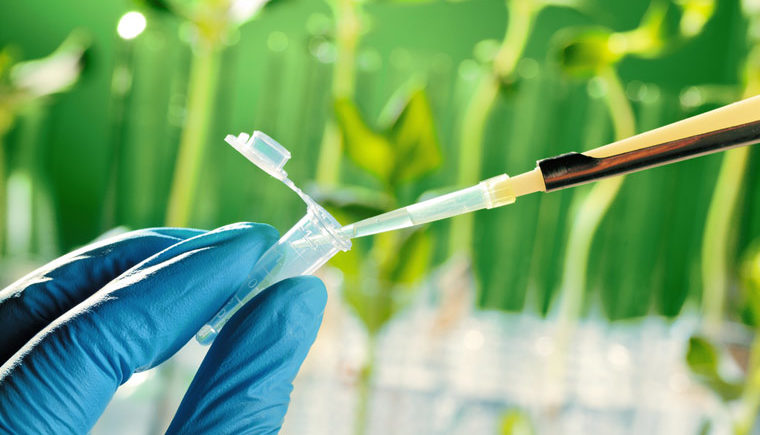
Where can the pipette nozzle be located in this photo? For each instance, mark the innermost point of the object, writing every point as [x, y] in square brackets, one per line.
[490, 193]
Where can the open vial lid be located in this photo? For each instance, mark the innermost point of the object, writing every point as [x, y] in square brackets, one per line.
[263, 151]
[269, 155]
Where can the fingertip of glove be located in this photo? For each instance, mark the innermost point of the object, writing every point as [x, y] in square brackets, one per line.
[247, 232]
[249, 239]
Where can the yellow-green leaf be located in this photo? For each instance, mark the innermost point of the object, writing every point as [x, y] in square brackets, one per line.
[515, 422]
[414, 138]
[586, 52]
[369, 150]
[413, 258]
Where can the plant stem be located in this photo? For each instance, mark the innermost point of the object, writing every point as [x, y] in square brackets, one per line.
[717, 242]
[3, 198]
[204, 73]
[590, 210]
[470, 154]
[365, 386]
[475, 119]
[593, 207]
[750, 399]
[343, 86]
[719, 229]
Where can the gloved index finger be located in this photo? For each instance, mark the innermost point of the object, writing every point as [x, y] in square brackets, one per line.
[32, 302]
[70, 371]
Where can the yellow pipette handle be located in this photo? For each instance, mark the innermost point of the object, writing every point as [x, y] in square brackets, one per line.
[573, 169]
[730, 126]
[741, 112]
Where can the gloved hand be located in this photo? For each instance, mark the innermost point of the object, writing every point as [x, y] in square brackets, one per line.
[76, 329]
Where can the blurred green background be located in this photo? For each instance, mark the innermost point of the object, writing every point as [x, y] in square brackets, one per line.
[381, 103]
[103, 154]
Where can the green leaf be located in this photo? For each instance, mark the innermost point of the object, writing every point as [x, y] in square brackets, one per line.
[407, 2]
[750, 284]
[412, 260]
[584, 53]
[516, 422]
[56, 72]
[408, 149]
[695, 14]
[369, 150]
[380, 284]
[158, 5]
[703, 358]
[414, 138]
[587, 52]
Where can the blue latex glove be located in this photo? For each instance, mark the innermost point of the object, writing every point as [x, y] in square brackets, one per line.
[73, 331]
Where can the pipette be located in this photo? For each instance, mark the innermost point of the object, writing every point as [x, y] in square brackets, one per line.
[735, 125]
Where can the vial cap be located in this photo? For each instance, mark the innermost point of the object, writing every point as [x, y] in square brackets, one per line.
[263, 151]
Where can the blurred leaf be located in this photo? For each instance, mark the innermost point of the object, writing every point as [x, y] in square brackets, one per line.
[694, 16]
[242, 11]
[750, 283]
[158, 5]
[6, 60]
[6, 98]
[666, 25]
[586, 52]
[416, 143]
[408, 149]
[369, 150]
[412, 259]
[406, 1]
[658, 27]
[349, 262]
[54, 73]
[703, 358]
[516, 422]
[378, 285]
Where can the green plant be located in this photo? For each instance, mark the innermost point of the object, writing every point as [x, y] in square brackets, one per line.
[25, 90]
[718, 242]
[211, 24]
[704, 357]
[586, 53]
[516, 422]
[720, 269]
[498, 73]
[347, 33]
[382, 272]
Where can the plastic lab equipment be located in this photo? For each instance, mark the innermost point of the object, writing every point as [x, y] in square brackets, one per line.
[735, 125]
[302, 250]
[490, 193]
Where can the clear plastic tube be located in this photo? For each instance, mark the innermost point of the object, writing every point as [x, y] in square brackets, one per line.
[493, 192]
[302, 250]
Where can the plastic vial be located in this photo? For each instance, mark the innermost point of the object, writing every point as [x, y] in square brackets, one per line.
[302, 250]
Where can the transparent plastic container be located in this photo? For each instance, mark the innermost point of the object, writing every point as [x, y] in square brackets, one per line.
[302, 250]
